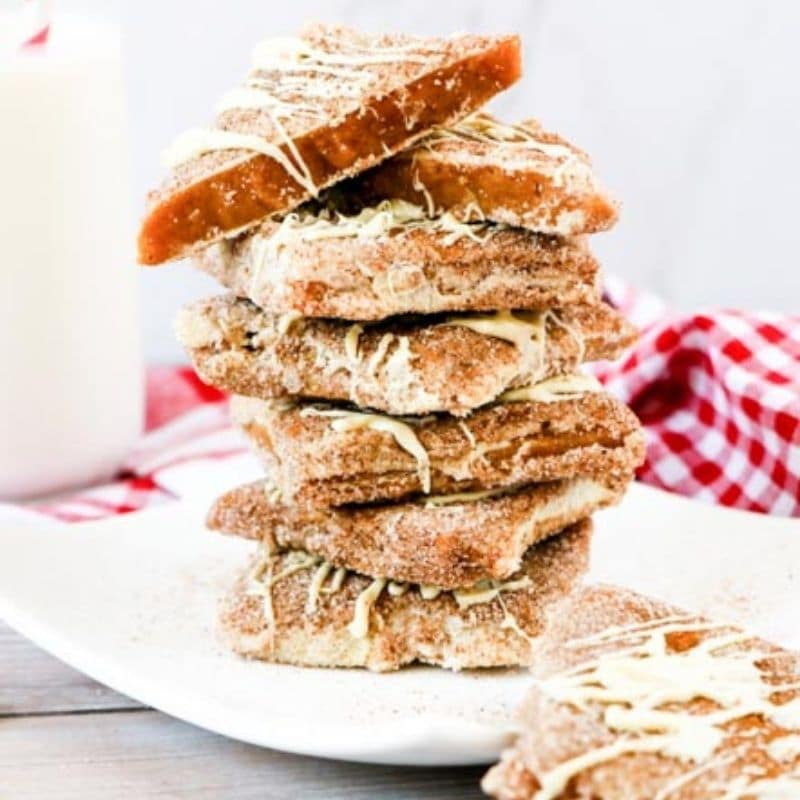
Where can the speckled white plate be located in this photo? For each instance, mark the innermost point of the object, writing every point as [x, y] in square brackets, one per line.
[131, 602]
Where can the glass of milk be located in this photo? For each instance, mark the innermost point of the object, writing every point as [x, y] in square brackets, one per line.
[70, 363]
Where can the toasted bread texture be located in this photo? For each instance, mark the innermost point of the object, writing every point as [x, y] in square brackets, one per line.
[638, 700]
[454, 544]
[405, 365]
[313, 111]
[399, 629]
[392, 259]
[327, 457]
[480, 168]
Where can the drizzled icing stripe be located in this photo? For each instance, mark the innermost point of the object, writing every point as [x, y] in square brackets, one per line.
[436, 501]
[288, 56]
[525, 330]
[485, 129]
[359, 626]
[373, 222]
[553, 390]
[402, 432]
[262, 580]
[351, 341]
[292, 53]
[258, 97]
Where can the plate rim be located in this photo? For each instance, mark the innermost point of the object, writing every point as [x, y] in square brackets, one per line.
[446, 739]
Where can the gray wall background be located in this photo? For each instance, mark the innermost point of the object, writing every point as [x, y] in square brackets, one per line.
[691, 111]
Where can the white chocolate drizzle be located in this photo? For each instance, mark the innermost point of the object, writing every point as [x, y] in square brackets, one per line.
[287, 321]
[420, 187]
[397, 588]
[428, 591]
[256, 96]
[636, 687]
[291, 53]
[390, 217]
[693, 774]
[359, 626]
[468, 434]
[485, 129]
[485, 591]
[261, 582]
[438, 500]
[198, 141]
[351, 341]
[323, 570]
[380, 353]
[526, 330]
[572, 331]
[782, 787]
[374, 222]
[553, 390]
[336, 582]
[401, 430]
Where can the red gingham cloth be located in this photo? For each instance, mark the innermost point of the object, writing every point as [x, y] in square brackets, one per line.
[718, 393]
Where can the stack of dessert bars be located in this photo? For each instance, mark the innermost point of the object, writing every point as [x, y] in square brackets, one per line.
[411, 300]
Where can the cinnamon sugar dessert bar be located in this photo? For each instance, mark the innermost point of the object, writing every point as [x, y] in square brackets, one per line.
[446, 541]
[483, 169]
[403, 365]
[392, 259]
[326, 456]
[639, 700]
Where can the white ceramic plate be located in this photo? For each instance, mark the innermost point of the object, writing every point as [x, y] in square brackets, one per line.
[131, 602]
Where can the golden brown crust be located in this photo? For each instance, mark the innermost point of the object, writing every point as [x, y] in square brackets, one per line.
[474, 174]
[408, 629]
[412, 271]
[430, 82]
[236, 346]
[553, 732]
[496, 446]
[451, 546]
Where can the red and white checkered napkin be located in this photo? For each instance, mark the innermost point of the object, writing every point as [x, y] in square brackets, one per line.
[718, 393]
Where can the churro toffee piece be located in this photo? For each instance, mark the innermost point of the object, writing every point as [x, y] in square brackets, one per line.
[636, 700]
[315, 109]
[561, 428]
[415, 365]
[298, 609]
[483, 169]
[391, 258]
[450, 541]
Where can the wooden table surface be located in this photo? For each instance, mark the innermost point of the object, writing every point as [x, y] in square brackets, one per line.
[65, 737]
